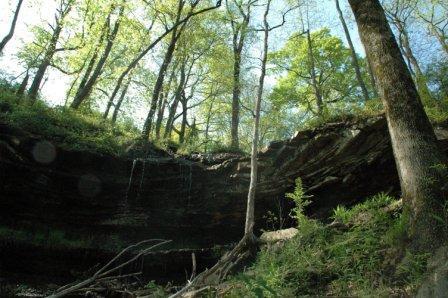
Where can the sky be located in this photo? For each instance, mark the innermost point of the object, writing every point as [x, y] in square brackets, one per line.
[56, 85]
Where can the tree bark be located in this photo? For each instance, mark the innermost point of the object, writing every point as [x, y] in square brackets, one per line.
[10, 34]
[421, 163]
[355, 62]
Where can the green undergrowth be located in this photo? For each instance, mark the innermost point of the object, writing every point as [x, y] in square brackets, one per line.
[362, 255]
[77, 130]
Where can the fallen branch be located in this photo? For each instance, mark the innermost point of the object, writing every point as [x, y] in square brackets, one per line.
[101, 274]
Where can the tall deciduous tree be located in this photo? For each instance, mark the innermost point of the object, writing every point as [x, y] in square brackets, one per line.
[422, 166]
[10, 34]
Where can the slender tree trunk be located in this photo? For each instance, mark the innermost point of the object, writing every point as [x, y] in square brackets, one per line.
[239, 37]
[10, 34]
[353, 53]
[48, 56]
[207, 126]
[314, 83]
[120, 101]
[84, 92]
[184, 121]
[236, 98]
[420, 161]
[177, 99]
[250, 212]
[372, 78]
[164, 101]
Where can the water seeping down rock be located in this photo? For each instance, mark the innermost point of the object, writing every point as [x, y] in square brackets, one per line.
[88, 205]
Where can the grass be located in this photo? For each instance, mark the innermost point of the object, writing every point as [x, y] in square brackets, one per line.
[366, 258]
[77, 130]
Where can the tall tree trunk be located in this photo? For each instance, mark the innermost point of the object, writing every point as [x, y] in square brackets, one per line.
[250, 212]
[314, 83]
[85, 91]
[353, 53]
[184, 120]
[164, 101]
[48, 56]
[239, 32]
[372, 78]
[236, 98]
[120, 101]
[420, 161]
[10, 34]
[177, 99]
[207, 126]
[161, 112]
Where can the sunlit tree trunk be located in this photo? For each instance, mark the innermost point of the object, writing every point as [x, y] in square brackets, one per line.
[421, 163]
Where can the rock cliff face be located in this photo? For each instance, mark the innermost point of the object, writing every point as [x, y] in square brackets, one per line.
[197, 201]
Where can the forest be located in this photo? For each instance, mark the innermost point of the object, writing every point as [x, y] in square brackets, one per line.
[223, 148]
